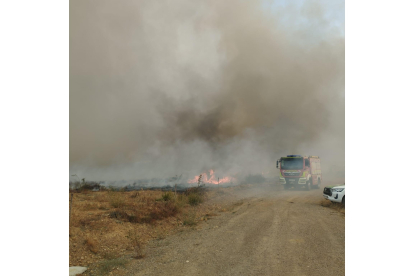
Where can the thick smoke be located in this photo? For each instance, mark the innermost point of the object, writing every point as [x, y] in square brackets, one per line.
[161, 88]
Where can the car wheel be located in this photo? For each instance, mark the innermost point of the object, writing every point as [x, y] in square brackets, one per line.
[343, 201]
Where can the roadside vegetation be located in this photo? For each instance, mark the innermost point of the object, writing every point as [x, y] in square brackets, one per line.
[108, 228]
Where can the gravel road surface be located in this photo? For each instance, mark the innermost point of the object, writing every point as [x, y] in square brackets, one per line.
[267, 232]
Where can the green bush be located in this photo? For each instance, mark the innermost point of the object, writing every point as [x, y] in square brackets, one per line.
[167, 196]
[195, 199]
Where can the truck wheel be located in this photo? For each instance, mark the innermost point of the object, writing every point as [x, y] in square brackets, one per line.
[319, 184]
[286, 187]
[307, 186]
[343, 201]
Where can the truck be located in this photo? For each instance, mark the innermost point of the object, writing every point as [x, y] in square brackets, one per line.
[335, 194]
[300, 172]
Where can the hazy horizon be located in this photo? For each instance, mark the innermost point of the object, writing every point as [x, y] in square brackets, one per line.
[183, 87]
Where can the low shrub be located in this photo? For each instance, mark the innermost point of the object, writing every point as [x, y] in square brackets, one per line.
[180, 201]
[167, 196]
[163, 210]
[195, 199]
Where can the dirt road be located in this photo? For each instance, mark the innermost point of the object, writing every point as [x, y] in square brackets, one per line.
[268, 232]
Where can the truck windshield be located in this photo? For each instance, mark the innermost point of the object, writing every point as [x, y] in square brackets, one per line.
[292, 163]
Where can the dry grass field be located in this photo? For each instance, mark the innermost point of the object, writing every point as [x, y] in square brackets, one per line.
[108, 228]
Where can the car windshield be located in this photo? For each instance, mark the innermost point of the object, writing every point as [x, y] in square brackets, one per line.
[292, 163]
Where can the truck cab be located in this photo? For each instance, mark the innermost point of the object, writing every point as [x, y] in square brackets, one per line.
[300, 172]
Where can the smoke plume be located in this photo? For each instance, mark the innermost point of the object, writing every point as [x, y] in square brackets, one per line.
[161, 88]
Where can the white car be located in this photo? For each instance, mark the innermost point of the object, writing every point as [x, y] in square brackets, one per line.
[335, 194]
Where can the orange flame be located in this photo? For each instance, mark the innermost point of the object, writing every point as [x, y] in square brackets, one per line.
[211, 179]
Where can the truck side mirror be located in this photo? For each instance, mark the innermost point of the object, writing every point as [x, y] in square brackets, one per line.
[277, 164]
